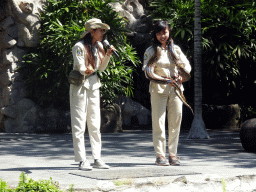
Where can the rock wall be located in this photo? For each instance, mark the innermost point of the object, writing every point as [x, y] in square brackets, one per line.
[19, 33]
[140, 26]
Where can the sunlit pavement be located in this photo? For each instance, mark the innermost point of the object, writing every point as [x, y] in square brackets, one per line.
[131, 157]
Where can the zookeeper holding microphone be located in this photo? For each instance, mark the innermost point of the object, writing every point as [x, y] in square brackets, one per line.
[89, 56]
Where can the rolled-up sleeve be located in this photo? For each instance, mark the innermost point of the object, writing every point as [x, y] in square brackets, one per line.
[104, 63]
[105, 60]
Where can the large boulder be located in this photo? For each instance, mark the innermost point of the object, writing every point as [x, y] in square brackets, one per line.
[111, 119]
[248, 135]
[133, 113]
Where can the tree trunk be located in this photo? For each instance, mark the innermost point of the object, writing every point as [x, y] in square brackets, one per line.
[198, 130]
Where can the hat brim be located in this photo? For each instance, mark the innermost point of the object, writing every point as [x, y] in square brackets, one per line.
[101, 26]
[96, 26]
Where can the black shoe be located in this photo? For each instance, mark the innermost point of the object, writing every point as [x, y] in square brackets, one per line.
[174, 160]
[161, 161]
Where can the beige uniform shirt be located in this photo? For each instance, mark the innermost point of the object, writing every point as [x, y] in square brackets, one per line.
[81, 63]
[165, 67]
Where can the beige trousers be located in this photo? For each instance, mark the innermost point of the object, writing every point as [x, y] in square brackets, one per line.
[159, 104]
[85, 109]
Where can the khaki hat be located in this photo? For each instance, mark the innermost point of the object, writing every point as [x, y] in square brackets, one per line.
[94, 24]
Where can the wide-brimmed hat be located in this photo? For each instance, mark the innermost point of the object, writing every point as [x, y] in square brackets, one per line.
[94, 24]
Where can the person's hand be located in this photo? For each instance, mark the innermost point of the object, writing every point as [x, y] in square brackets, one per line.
[172, 82]
[89, 70]
[109, 51]
[179, 80]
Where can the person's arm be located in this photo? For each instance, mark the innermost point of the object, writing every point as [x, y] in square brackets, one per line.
[182, 62]
[78, 52]
[105, 60]
[182, 59]
[147, 55]
[104, 63]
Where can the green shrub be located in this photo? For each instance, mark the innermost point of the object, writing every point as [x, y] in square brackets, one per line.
[45, 71]
[28, 184]
[4, 187]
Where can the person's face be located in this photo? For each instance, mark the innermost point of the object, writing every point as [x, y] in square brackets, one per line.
[163, 36]
[97, 34]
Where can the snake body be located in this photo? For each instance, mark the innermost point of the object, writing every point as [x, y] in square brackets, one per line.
[149, 72]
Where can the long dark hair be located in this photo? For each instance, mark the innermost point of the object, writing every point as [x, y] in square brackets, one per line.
[87, 40]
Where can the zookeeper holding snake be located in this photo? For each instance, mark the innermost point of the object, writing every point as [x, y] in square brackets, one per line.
[160, 67]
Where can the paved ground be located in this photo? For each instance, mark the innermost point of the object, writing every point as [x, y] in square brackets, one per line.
[208, 165]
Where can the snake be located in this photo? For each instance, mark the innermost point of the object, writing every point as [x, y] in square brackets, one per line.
[150, 68]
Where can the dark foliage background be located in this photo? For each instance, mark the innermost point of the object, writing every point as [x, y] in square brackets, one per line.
[229, 47]
[228, 30]
[46, 69]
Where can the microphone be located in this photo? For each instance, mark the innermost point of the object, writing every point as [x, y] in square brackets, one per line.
[106, 43]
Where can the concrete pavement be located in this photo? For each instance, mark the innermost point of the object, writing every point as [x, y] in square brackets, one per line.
[132, 159]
